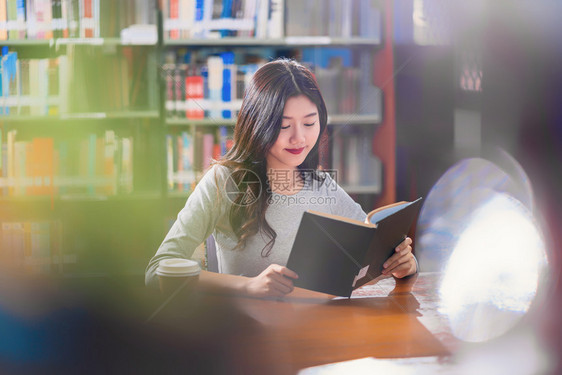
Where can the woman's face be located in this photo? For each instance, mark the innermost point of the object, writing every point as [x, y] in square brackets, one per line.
[300, 128]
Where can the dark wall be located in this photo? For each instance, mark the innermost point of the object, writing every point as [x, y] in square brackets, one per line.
[425, 101]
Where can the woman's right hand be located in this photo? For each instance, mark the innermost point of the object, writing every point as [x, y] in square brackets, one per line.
[274, 281]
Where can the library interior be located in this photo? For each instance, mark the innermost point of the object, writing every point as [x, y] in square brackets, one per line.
[112, 112]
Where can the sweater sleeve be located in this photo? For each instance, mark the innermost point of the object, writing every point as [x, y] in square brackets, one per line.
[194, 223]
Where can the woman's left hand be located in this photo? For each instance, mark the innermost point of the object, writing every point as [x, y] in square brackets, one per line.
[402, 262]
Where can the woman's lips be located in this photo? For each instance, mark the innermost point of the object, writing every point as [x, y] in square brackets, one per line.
[295, 151]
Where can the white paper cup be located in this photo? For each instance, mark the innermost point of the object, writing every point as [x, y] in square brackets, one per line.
[177, 273]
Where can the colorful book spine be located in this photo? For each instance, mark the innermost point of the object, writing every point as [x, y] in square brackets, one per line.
[194, 94]
[228, 75]
[170, 161]
[21, 19]
[276, 21]
[174, 17]
[3, 21]
[208, 148]
[215, 65]
[187, 158]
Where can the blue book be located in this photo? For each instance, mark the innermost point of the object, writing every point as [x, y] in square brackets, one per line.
[227, 77]
[226, 13]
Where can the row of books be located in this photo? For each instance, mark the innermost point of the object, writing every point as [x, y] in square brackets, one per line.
[353, 159]
[188, 155]
[86, 79]
[333, 18]
[213, 89]
[30, 86]
[33, 247]
[47, 19]
[345, 78]
[93, 165]
[273, 19]
[184, 19]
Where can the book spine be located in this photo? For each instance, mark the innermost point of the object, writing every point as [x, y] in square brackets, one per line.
[262, 14]
[74, 19]
[12, 19]
[187, 15]
[21, 26]
[170, 161]
[187, 159]
[3, 21]
[31, 19]
[194, 93]
[48, 18]
[215, 65]
[174, 17]
[179, 162]
[55, 22]
[227, 78]
[226, 13]
[208, 146]
[198, 18]
[64, 18]
[347, 18]
[276, 23]
[249, 12]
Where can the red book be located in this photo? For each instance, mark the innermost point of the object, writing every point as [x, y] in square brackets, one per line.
[194, 93]
[88, 19]
[174, 15]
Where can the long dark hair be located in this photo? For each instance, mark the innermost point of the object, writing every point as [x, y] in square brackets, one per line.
[257, 129]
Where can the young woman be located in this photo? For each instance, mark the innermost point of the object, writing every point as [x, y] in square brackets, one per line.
[253, 198]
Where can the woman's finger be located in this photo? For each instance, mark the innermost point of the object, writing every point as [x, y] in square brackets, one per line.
[397, 262]
[396, 256]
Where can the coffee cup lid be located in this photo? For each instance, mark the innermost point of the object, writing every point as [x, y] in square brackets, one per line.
[178, 267]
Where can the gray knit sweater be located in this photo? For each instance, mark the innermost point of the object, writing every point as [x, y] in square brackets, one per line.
[207, 211]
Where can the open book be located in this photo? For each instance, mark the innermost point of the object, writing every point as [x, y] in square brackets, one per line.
[335, 255]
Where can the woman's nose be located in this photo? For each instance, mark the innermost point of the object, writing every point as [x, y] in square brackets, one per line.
[298, 135]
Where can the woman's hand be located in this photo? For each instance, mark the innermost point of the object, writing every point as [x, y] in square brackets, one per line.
[274, 281]
[402, 262]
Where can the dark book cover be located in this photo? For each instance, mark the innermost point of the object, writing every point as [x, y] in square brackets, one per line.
[336, 255]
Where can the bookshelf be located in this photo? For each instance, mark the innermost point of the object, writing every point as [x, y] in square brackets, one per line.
[79, 119]
[116, 126]
[337, 49]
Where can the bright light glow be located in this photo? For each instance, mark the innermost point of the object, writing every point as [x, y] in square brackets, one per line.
[493, 273]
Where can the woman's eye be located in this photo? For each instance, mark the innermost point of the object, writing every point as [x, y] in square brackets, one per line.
[285, 127]
[310, 124]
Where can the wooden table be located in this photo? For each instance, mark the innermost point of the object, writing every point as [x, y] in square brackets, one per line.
[307, 329]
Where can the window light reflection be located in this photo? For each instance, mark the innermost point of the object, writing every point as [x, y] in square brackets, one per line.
[494, 270]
